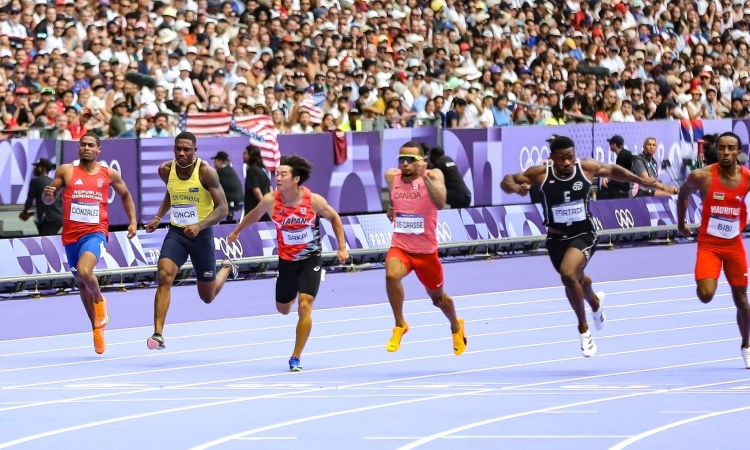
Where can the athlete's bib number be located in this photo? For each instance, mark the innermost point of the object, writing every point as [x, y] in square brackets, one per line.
[723, 227]
[84, 212]
[409, 223]
[297, 237]
[185, 214]
[569, 212]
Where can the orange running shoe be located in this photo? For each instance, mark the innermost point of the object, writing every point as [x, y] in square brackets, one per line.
[395, 343]
[100, 344]
[459, 339]
[101, 318]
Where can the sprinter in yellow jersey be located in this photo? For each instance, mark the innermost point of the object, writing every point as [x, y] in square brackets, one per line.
[198, 203]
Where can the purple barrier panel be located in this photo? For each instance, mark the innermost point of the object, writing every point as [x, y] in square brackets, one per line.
[121, 155]
[450, 227]
[658, 210]
[352, 187]
[393, 138]
[478, 156]
[666, 133]
[483, 223]
[695, 206]
[154, 151]
[16, 170]
[523, 220]
[596, 216]
[526, 146]
[623, 214]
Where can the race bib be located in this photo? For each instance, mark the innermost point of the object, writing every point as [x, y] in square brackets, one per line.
[297, 237]
[723, 227]
[84, 212]
[185, 214]
[569, 212]
[409, 223]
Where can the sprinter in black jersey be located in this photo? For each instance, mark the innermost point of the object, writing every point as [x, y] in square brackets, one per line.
[564, 183]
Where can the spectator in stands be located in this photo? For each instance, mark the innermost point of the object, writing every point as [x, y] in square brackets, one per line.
[458, 195]
[48, 218]
[257, 181]
[614, 188]
[117, 123]
[644, 165]
[160, 126]
[230, 183]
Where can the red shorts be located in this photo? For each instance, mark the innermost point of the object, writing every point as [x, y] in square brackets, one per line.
[427, 266]
[711, 257]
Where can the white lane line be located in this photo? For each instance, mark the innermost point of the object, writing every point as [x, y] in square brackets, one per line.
[142, 372]
[470, 426]
[275, 438]
[501, 436]
[512, 291]
[95, 360]
[245, 399]
[388, 316]
[641, 436]
[433, 437]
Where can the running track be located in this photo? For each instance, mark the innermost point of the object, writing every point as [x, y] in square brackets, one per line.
[668, 373]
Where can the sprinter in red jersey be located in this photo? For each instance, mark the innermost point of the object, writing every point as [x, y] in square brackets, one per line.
[296, 212]
[416, 196]
[85, 186]
[723, 186]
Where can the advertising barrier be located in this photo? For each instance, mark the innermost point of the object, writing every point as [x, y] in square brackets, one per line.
[483, 157]
[45, 255]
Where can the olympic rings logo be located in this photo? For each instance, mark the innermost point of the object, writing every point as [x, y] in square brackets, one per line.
[443, 232]
[231, 251]
[624, 218]
[533, 156]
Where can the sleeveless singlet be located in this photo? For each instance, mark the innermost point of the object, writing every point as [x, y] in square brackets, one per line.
[85, 201]
[191, 202]
[414, 228]
[566, 201]
[724, 214]
[297, 228]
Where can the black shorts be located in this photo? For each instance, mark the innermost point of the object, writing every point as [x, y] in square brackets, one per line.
[558, 244]
[201, 249]
[298, 277]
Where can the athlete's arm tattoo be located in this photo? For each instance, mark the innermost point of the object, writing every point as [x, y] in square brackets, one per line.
[210, 180]
[121, 189]
[435, 184]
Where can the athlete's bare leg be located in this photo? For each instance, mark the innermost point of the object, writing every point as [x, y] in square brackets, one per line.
[208, 290]
[706, 289]
[88, 283]
[304, 324]
[395, 271]
[739, 295]
[445, 303]
[571, 271]
[167, 273]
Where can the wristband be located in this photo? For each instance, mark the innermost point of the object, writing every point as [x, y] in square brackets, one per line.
[158, 217]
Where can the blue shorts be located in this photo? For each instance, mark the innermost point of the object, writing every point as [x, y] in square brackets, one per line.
[95, 244]
[201, 250]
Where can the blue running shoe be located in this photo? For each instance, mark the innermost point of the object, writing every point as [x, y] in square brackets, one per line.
[294, 364]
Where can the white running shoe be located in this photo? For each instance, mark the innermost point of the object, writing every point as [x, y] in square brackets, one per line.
[746, 357]
[598, 317]
[588, 347]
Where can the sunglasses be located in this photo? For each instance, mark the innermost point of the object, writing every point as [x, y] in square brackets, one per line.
[409, 159]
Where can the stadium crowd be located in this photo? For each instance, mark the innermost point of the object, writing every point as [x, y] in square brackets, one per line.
[134, 67]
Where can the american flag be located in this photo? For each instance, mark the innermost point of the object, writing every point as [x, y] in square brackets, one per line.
[205, 124]
[263, 134]
[308, 104]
